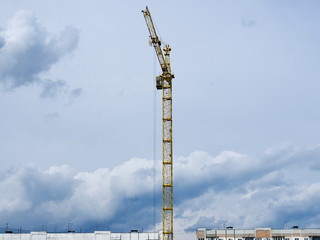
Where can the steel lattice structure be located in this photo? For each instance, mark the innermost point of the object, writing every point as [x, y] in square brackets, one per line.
[164, 83]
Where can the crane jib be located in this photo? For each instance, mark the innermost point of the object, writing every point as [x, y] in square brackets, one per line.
[155, 39]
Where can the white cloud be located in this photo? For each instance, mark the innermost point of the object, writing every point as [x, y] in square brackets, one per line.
[28, 50]
[231, 189]
[275, 195]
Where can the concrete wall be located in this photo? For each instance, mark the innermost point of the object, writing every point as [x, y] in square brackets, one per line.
[258, 234]
[98, 235]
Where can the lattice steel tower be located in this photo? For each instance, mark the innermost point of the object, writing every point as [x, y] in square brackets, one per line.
[164, 83]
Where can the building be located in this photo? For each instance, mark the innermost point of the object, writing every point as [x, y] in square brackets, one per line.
[97, 235]
[230, 233]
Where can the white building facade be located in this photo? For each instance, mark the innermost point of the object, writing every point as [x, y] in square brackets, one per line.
[97, 235]
[258, 234]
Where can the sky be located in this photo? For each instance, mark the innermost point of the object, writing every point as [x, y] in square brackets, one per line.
[80, 114]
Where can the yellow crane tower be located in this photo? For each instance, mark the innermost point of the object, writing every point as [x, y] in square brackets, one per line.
[164, 83]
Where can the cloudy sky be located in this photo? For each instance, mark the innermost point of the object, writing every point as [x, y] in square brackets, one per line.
[78, 101]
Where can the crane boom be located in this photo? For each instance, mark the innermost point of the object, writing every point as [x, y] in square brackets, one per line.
[164, 83]
[155, 39]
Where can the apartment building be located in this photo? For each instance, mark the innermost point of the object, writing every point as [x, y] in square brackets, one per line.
[230, 233]
[97, 235]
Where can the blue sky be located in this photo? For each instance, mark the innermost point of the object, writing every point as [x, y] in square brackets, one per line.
[77, 101]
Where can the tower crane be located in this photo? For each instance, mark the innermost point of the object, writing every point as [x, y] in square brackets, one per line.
[164, 83]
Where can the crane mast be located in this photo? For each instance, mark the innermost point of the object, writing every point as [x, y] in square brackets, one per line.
[164, 83]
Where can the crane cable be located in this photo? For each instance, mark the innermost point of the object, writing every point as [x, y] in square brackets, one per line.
[154, 141]
[159, 35]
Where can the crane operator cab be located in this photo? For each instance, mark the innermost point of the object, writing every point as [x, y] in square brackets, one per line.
[159, 82]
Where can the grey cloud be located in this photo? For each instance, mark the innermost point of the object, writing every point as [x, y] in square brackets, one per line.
[253, 191]
[53, 88]
[65, 42]
[75, 93]
[58, 195]
[51, 117]
[205, 222]
[45, 186]
[29, 50]
[2, 42]
[275, 195]
[245, 22]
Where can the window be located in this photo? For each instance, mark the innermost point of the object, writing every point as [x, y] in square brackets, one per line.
[306, 238]
[296, 239]
[286, 238]
[278, 238]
